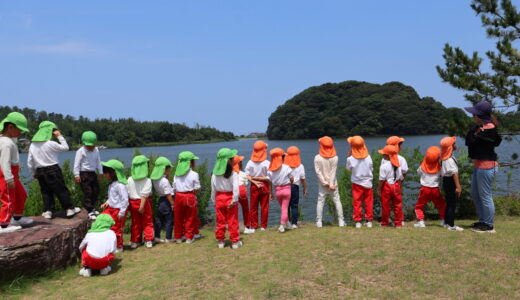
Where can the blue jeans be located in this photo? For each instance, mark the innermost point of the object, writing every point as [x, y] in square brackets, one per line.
[481, 192]
[164, 218]
[293, 205]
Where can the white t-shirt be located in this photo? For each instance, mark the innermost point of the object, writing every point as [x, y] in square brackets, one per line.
[87, 161]
[99, 244]
[242, 179]
[257, 169]
[139, 188]
[298, 174]
[282, 176]
[219, 183]
[402, 163]
[386, 172]
[186, 183]
[8, 157]
[429, 180]
[449, 167]
[45, 154]
[118, 197]
[361, 171]
[163, 187]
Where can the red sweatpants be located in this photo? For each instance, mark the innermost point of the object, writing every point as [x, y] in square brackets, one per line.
[141, 222]
[226, 216]
[244, 202]
[426, 194]
[186, 220]
[391, 197]
[117, 228]
[362, 194]
[12, 200]
[259, 196]
[95, 263]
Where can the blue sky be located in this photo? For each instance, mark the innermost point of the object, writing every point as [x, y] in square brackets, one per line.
[226, 64]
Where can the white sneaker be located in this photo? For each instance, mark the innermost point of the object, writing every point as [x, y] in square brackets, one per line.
[148, 244]
[236, 245]
[159, 240]
[358, 224]
[22, 222]
[10, 228]
[119, 250]
[455, 228]
[85, 272]
[92, 216]
[105, 271]
[419, 224]
[178, 241]
[197, 236]
[443, 224]
[288, 225]
[342, 223]
[369, 224]
[47, 214]
[294, 226]
[77, 210]
[281, 228]
[262, 229]
[249, 231]
[318, 224]
[246, 230]
[169, 240]
[221, 244]
[190, 241]
[71, 212]
[96, 212]
[134, 245]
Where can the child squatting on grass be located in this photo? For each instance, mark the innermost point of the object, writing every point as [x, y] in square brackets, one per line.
[98, 247]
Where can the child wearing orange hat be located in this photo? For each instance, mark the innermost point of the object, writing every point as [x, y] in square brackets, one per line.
[359, 163]
[389, 190]
[256, 171]
[242, 198]
[403, 164]
[280, 176]
[325, 165]
[430, 171]
[293, 160]
[450, 180]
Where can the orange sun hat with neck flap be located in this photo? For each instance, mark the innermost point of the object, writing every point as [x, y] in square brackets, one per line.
[359, 149]
[236, 160]
[394, 140]
[327, 149]
[391, 151]
[430, 163]
[293, 159]
[276, 159]
[259, 151]
[447, 147]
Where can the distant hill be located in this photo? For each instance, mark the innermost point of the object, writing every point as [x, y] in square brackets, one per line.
[362, 108]
[122, 132]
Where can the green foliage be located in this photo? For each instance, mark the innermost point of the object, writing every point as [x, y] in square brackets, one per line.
[507, 205]
[361, 108]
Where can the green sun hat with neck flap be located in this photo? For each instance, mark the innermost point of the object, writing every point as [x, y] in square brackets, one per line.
[17, 119]
[89, 138]
[160, 165]
[103, 223]
[118, 167]
[223, 156]
[184, 164]
[45, 132]
[140, 167]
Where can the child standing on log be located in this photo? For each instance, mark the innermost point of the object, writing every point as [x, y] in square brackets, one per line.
[163, 188]
[256, 170]
[98, 247]
[450, 181]
[281, 178]
[389, 189]
[12, 192]
[293, 160]
[44, 165]
[359, 163]
[86, 163]
[117, 203]
[242, 197]
[139, 193]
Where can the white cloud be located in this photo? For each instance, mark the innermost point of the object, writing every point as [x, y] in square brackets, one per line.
[70, 47]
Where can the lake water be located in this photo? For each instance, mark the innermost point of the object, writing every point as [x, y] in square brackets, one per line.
[308, 149]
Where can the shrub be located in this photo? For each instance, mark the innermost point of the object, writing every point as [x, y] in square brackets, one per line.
[507, 205]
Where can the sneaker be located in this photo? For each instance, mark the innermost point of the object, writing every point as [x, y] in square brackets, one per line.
[134, 245]
[119, 250]
[10, 228]
[21, 222]
[169, 240]
[221, 244]
[262, 229]
[85, 272]
[358, 224]
[105, 271]
[77, 210]
[47, 215]
[159, 240]
[71, 212]
[319, 224]
[92, 216]
[484, 228]
[476, 224]
[197, 236]
[190, 241]
[148, 244]
[288, 225]
[455, 228]
[96, 212]
[294, 226]
[281, 228]
[178, 241]
[419, 224]
[236, 245]
[369, 224]
[250, 231]
[443, 224]
[342, 223]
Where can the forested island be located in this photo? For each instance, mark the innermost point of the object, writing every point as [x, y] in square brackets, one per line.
[126, 132]
[362, 108]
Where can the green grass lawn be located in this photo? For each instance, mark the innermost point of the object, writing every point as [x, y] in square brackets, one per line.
[307, 263]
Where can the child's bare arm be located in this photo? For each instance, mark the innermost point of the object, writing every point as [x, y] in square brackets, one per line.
[458, 189]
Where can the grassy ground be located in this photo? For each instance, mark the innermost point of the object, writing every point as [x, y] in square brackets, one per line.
[308, 263]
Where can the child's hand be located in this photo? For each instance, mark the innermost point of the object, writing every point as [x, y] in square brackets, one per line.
[120, 218]
[271, 197]
[332, 187]
[11, 185]
[258, 184]
[231, 204]
[305, 191]
[141, 209]
[56, 133]
[77, 179]
[458, 191]
[104, 205]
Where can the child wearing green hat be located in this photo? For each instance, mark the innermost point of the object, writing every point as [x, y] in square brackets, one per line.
[224, 194]
[98, 247]
[117, 203]
[44, 165]
[86, 163]
[185, 185]
[140, 192]
[12, 192]
[161, 183]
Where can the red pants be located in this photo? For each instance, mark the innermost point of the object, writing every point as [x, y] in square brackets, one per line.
[426, 194]
[95, 263]
[259, 196]
[244, 202]
[186, 219]
[118, 227]
[141, 222]
[12, 200]
[226, 216]
[391, 197]
[362, 194]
